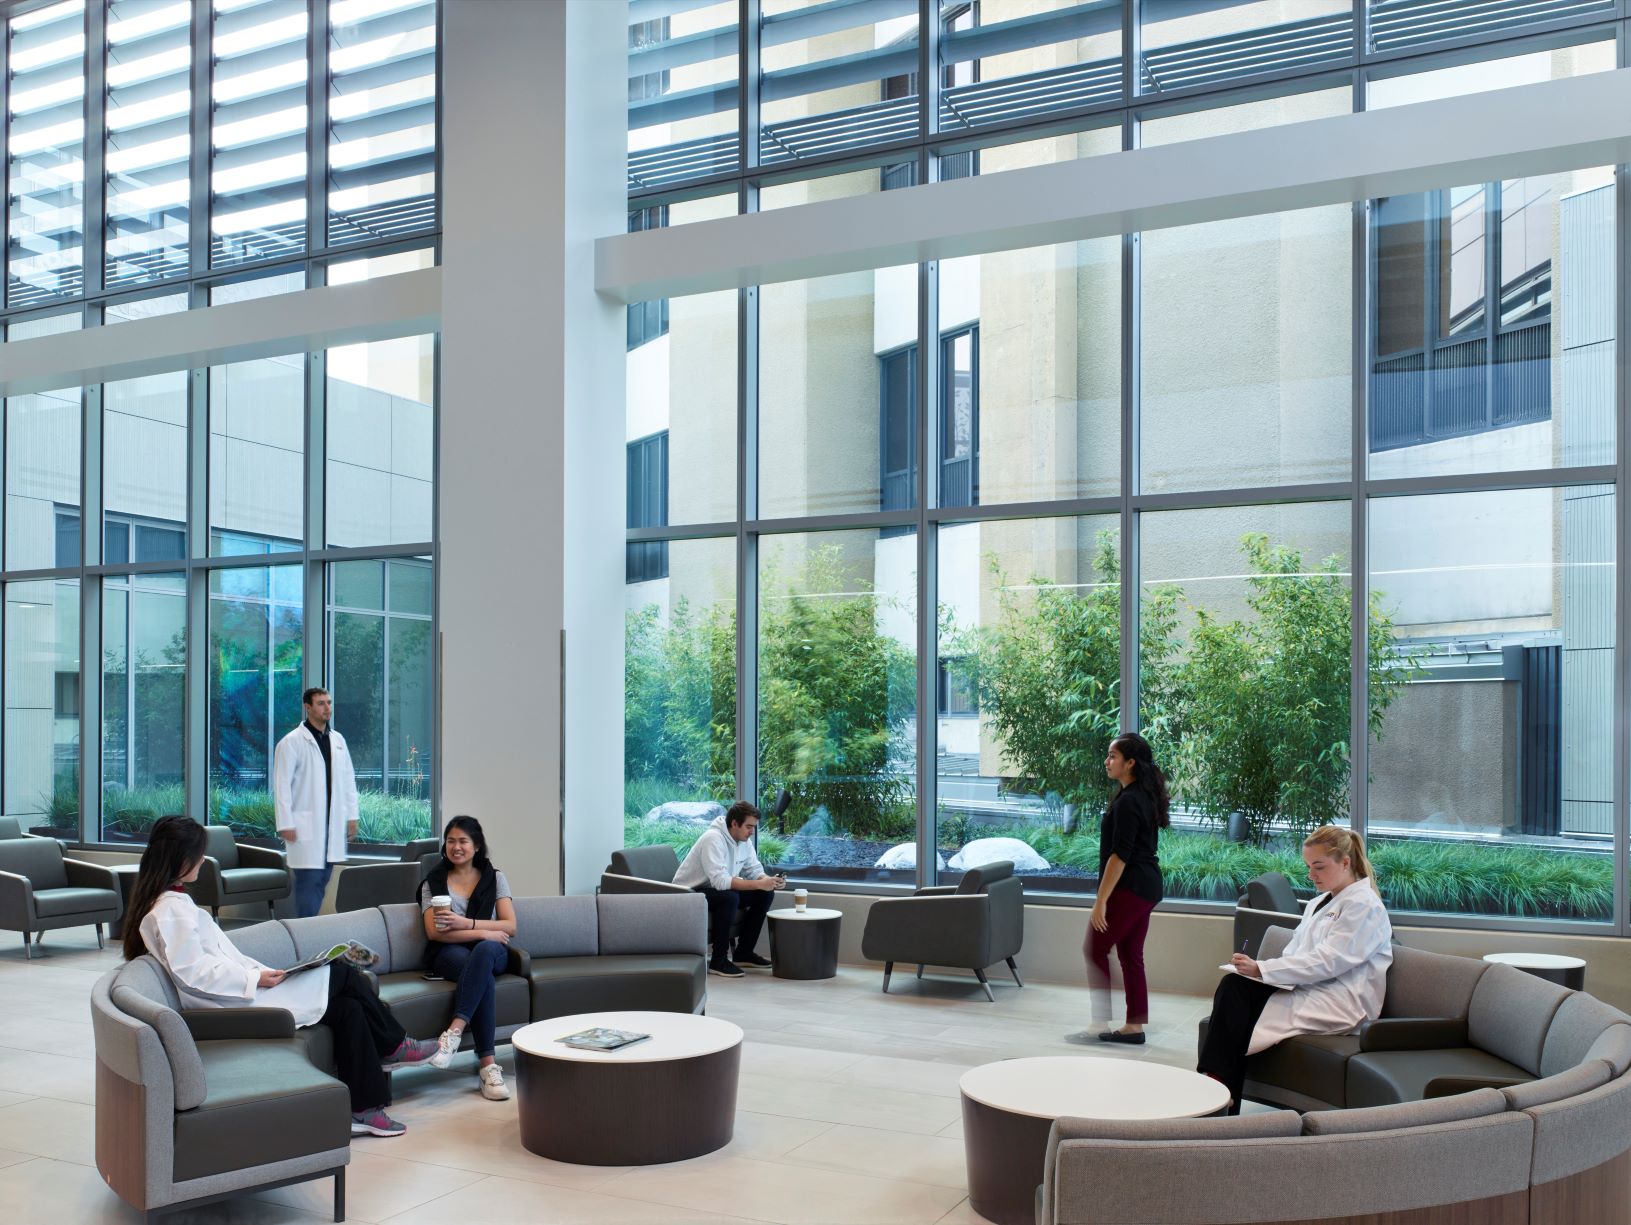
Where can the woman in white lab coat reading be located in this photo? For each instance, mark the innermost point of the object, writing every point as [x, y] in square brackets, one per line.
[210, 972]
[1330, 978]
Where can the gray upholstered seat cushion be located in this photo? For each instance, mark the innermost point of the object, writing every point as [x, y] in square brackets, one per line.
[268, 943]
[425, 1008]
[1580, 1132]
[265, 1103]
[1451, 1109]
[647, 862]
[1580, 1020]
[672, 982]
[319, 932]
[10, 827]
[1423, 984]
[1272, 891]
[253, 880]
[39, 859]
[1381, 1078]
[1259, 1125]
[1582, 1078]
[143, 990]
[220, 846]
[1310, 1066]
[652, 923]
[560, 926]
[57, 903]
[1613, 1046]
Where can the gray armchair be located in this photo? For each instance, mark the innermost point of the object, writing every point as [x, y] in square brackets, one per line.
[376, 884]
[41, 891]
[648, 869]
[11, 827]
[1269, 901]
[237, 874]
[975, 923]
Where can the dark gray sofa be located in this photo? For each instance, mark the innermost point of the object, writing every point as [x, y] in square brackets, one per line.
[194, 1105]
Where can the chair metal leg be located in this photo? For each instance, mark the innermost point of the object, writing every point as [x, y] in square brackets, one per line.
[99, 943]
[888, 969]
[28, 947]
[920, 969]
[1014, 970]
[339, 1194]
[984, 982]
[215, 912]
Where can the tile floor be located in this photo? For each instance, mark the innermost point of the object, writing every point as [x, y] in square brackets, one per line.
[847, 1111]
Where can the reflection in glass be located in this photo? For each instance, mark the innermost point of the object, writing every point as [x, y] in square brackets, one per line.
[42, 479]
[1221, 42]
[144, 478]
[679, 694]
[42, 707]
[1498, 754]
[1247, 351]
[149, 117]
[1028, 690]
[683, 92]
[380, 432]
[144, 674]
[838, 700]
[257, 449]
[45, 154]
[258, 119]
[256, 647]
[382, 663]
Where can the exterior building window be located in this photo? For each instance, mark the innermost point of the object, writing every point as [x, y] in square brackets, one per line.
[648, 506]
[647, 320]
[898, 424]
[1462, 341]
[959, 423]
[957, 698]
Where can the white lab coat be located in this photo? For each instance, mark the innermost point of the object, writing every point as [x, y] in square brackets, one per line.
[210, 972]
[299, 796]
[1336, 965]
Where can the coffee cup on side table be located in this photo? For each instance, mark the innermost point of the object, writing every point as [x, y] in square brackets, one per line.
[801, 898]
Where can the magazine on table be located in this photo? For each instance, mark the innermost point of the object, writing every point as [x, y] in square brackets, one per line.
[600, 1039]
[359, 955]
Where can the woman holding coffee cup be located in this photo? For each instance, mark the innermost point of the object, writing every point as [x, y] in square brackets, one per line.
[469, 919]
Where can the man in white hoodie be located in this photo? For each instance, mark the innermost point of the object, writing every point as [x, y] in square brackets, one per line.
[724, 868]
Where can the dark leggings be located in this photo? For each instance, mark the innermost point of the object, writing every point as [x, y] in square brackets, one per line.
[475, 967]
[1236, 1005]
[365, 1032]
[1128, 916]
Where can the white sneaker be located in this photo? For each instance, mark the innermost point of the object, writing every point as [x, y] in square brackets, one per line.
[493, 1087]
[447, 1046]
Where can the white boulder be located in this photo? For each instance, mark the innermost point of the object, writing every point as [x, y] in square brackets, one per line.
[686, 812]
[903, 858]
[994, 850]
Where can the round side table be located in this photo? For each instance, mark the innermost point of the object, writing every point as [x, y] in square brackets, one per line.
[1009, 1108]
[804, 944]
[1553, 967]
[670, 1097]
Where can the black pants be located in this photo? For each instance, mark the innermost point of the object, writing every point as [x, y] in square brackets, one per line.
[365, 1032]
[1236, 1005]
[724, 905]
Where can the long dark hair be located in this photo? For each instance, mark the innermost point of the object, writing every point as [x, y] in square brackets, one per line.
[173, 846]
[472, 827]
[1147, 775]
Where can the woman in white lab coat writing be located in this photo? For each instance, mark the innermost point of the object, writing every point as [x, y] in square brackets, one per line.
[1330, 978]
[210, 972]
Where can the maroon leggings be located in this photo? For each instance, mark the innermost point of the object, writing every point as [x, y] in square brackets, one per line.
[1129, 921]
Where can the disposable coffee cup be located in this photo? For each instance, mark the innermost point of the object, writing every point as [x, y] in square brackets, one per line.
[800, 898]
[442, 904]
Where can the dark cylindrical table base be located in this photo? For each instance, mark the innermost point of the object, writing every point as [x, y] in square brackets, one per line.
[804, 948]
[1572, 977]
[591, 1113]
[1005, 1154]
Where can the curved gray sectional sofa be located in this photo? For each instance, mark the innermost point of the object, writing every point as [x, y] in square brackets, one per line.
[194, 1105]
[1481, 1094]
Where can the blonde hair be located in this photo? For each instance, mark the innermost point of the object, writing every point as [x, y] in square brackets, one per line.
[1342, 844]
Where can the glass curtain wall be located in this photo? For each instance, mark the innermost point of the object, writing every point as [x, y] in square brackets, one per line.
[1194, 575]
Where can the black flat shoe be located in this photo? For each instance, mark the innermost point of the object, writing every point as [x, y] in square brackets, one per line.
[1115, 1035]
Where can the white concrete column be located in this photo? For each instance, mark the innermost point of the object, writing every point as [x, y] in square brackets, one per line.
[530, 485]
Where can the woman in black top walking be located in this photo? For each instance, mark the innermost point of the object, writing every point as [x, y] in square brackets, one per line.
[1129, 884]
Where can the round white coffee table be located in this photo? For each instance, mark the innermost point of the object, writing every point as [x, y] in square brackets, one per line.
[670, 1097]
[1553, 967]
[1009, 1107]
[804, 944]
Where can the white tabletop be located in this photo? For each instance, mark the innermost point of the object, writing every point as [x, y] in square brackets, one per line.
[1082, 1086]
[1536, 961]
[809, 913]
[674, 1035]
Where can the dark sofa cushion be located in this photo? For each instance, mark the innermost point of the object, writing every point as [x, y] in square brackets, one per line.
[1309, 1065]
[59, 903]
[665, 982]
[265, 1103]
[425, 1009]
[1381, 1078]
[253, 880]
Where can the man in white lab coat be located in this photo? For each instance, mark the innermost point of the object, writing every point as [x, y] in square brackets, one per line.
[315, 793]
